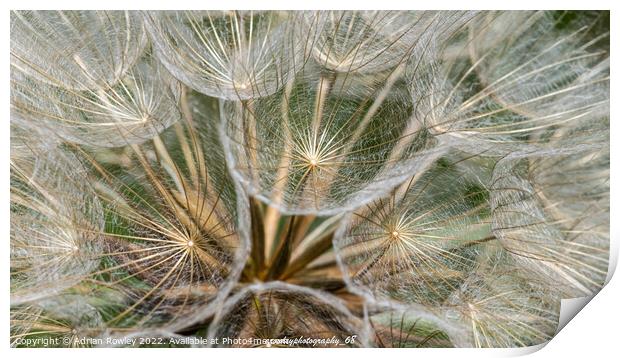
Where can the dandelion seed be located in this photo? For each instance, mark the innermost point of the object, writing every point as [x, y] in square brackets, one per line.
[227, 55]
[68, 320]
[511, 84]
[76, 50]
[279, 311]
[501, 307]
[415, 246]
[55, 223]
[174, 232]
[414, 328]
[375, 41]
[551, 212]
[142, 104]
[314, 147]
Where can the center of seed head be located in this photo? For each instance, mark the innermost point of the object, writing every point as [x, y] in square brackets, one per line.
[394, 234]
[312, 159]
[190, 243]
[471, 307]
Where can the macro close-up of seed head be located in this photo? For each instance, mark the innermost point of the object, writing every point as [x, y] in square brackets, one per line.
[244, 178]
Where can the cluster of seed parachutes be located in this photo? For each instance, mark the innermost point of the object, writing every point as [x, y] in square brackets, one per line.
[459, 161]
